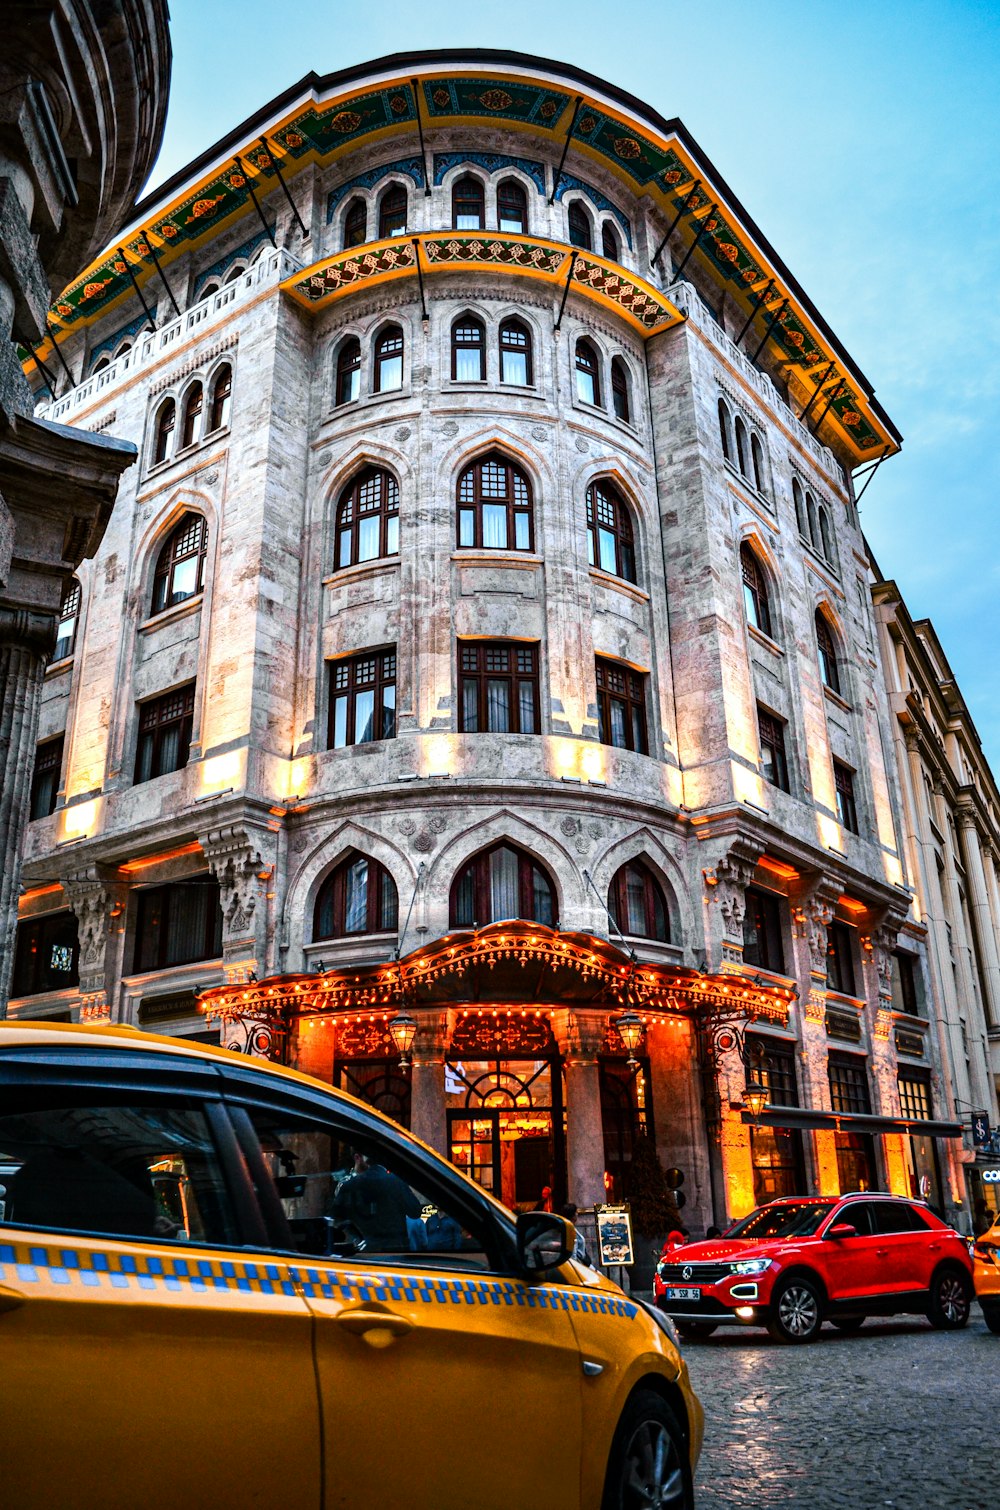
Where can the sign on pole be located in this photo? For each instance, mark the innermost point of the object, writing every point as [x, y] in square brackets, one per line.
[614, 1234]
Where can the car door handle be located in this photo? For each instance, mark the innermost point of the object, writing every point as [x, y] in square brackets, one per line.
[933, 1247]
[377, 1328]
[10, 1300]
[881, 1253]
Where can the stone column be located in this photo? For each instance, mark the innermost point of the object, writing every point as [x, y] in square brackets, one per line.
[428, 1118]
[725, 899]
[580, 1034]
[812, 914]
[982, 915]
[242, 858]
[876, 949]
[97, 901]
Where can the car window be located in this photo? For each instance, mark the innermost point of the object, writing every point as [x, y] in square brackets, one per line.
[150, 1172]
[789, 1219]
[898, 1216]
[350, 1194]
[857, 1215]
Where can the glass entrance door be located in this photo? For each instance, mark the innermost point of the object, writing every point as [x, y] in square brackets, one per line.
[505, 1131]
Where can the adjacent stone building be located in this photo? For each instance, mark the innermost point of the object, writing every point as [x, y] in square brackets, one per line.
[485, 639]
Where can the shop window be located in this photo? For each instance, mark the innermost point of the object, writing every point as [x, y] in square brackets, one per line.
[775, 1152]
[222, 394]
[828, 671]
[358, 896]
[163, 430]
[367, 522]
[500, 883]
[856, 1169]
[773, 760]
[905, 993]
[512, 207]
[69, 618]
[379, 1083]
[180, 566]
[165, 725]
[772, 1063]
[45, 778]
[849, 1089]
[46, 954]
[495, 507]
[362, 699]
[619, 390]
[588, 376]
[755, 595]
[840, 973]
[581, 231]
[726, 431]
[637, 904]
[498, 687]
[610, 245]
[468, 211]
[847, 808]
[194, 401]
[177, 924]
[389, 360]
[356, 223]
[468, 350]
[610, 540]
[621, 706]
[762, 930]
[392, 208]
[348, 371]
[515, 354]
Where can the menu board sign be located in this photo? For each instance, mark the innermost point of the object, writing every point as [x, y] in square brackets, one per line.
[614, 1234]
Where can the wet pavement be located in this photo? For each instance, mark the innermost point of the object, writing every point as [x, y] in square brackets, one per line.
[896, 1416]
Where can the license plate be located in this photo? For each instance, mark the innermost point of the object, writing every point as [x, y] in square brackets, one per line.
[683, 1295]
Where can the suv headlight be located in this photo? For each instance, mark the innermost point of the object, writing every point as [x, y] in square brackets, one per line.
[750, 1266]
[664, 1322]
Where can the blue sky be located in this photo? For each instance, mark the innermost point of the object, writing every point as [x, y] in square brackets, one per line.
[864, 138]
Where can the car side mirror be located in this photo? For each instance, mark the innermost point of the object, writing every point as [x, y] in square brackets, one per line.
[842, 1229]
[544, 1241]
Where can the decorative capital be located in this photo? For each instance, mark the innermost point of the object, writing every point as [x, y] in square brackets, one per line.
[28, 630]
[235, 859]
[815, 1006]
[883, 1024]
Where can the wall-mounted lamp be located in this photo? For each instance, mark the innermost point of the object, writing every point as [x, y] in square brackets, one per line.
[403, 1030]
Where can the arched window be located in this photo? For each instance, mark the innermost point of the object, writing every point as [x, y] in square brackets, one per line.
[368, 518]
[102, 362]
[755, 597]
[222, 393]
[742, 448]
[726, 431]
[512, 207]
[515, 354]
[69, 617]
[825, 535]
[757, 458]
[468, 203]
[610, 244]
[180, 566]
[798, 498]
[212, 287]
[123, 349]
[610, 541]
[163, 434]
[356, 223]
[500, 883]
[236, 271]
[619, 389]
[581, 231]
[828, 669]
[811, 521]
[359, 896]
[193, 405]
[637, 904]
[588, 376]
[392, 212]
[348, 371]
[494, 506]
[389, 360]
[468, 350]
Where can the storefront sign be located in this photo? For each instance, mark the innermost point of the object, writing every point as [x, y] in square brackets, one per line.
[980, 1129]
[991, 1176]
[614, 1234]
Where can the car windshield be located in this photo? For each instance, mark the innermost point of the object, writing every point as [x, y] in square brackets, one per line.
[789, 1220]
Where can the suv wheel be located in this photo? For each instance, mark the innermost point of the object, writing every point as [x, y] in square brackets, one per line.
[951, 1300]
[649, 1465]
[991, 1315]
[796, 1311]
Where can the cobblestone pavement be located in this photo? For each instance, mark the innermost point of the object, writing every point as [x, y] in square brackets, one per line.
[896, 1416]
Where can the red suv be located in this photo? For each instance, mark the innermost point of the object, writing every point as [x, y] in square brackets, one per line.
[800, 1261]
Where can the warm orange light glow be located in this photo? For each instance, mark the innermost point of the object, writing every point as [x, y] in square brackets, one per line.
[852, 905]
[222, 772]
[748, 786]
[828, 1175]
[575, 759]
[895, 1164]
[438, 755]
[830, 833]
[161, 858]
[39, 891]
[778, 868]
[80, 820]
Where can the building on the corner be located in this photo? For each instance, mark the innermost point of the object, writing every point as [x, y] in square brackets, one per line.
[486, 633]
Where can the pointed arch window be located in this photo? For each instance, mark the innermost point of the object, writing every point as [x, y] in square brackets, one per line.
[512, 207]
[828, 669]
[755, 595]
[389, 360]
[193, 404]
[637, 903]
[742, 447]
[356, 223]
[610, 245]
[798, 498]
[499, 883]
[163, 434]
[495, 506]
[588, 374]
[581, 231]
[367, 524]
[69, 617]
[825, 535]
[468, 203]
[212, 287]
[101, 363]
[236, 271]
[759, 477]
[349, 371]
[392, 208]
[468, 350]
[811, 521]
[726, 432]
[222, 394]
[619, 390]
[358, 896]
[610, 539]
[180, 566]
[515, 354]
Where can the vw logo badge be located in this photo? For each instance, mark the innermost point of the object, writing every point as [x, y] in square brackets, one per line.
[687, 1271]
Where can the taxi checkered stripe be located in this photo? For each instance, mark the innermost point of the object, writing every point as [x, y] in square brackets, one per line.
[91, 1269]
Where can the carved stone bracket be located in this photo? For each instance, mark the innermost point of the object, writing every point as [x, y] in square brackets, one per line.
[727, 882]
[98, 900]
[237, 860]
[878, 948]
[579, 1034]
[815, 1007]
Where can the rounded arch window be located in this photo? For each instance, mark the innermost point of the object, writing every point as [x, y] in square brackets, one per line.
[499, 883]
[69, 618]
[468, 203]
[358, 896]
[637, 904]
[392, 208]
[726, 431]
[356, 223]
[212, 287]
[512, 207]
[828, 668]
[610, 245]
[236, 271]
[348, 371]
[468, 350]
[389, 360]
[222, 393]
[581, 231]
[367, 524]
[163, 430]
[755, 595]
[194, 402]
[180, 566]
[494, 506]
[588, 373]
[516, 354]
[620, 390]
[610, 538]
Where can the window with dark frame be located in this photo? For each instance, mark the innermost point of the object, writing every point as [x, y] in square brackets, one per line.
[763, 945]
[46, 954]
[180, 566]
[69, 615]
[356, 224]
[772, 1062]
[905, 996]
[499, 883]
[840, 974]
[847, 809]
[621, 706]
[726, 430]
[515, 354]
[588, 376]
[358, 896]
[177, 924]
[389, 360]
[512, 207]
[498, 687]
[348, 372]
[610, 245]
[915, 1098]
[362, 699]
[849, 1089]
[367, 522]
[755, 595]
[193, 403]
[468, 204]
[773, 760]
[495, 507]
[610, 541]
[619, 389]
[828, 671]
[164, 430]
[581, 231]
[165, 725]
[222, 394]
[468, 350]
[392, 210]
[637, 904]
[45, 778]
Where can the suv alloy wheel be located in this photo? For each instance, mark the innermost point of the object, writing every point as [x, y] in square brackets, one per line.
[796, 1310]
[951, 1300]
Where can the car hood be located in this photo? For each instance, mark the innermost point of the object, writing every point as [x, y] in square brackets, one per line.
[732, 1252]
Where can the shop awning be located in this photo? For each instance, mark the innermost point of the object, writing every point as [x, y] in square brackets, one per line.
[861, 1122]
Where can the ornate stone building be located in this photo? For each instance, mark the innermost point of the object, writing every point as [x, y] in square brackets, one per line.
[485, 639]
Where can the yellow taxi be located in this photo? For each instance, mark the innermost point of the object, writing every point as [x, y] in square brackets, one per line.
[986, 1274]
[224, 1284]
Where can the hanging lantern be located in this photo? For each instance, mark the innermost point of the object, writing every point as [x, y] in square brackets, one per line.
[629, 1027]
[403, 1030]
[755, 1099]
